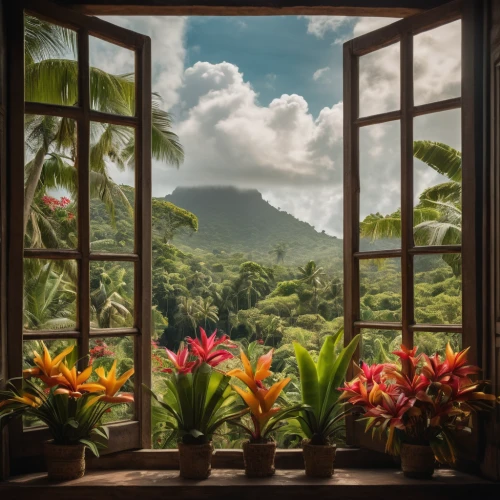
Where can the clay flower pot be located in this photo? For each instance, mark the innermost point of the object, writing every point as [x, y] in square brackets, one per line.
[318, 459]
[417, 461]
[195, 460]
[64, 462]
[259, 458]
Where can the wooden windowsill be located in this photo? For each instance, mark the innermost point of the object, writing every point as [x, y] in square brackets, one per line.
[233, 484]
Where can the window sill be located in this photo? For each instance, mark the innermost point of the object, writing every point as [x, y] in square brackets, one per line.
[230, 483]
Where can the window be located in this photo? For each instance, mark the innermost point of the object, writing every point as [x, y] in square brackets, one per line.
[428, 233]
[72, 289]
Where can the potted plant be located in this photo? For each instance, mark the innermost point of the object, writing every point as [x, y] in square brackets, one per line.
[319, 384]
[259, 451]
[198, 400]
[61, 397]
[418, 404]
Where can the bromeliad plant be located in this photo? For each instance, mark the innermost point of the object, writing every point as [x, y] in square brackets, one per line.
[61, 397]
[422, 400]
[319, 384]
[260, 400]
[199, 398]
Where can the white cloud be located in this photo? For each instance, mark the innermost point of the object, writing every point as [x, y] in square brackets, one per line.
[167, 47]
[320, 25]
[320, 73]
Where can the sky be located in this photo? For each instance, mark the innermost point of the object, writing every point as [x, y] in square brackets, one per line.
[257, 103]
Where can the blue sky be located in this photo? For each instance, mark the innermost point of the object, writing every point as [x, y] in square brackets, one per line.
[276, 54]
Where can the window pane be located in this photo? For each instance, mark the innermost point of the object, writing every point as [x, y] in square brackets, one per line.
[112, 294]
[380, 289]
[104, 352]
[112, 88]
[379, 81]
[51, 67]
[432, 342]
[112, 193]
[437, 66]
[29, 346]
[438, 289]
[51, 182]
[377, 345]
[50, 292]
[380, 186]
[438, 179]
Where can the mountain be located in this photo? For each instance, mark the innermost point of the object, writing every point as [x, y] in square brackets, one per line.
[235, 220]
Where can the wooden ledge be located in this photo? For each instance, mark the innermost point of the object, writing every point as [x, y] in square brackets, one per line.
[233, 484]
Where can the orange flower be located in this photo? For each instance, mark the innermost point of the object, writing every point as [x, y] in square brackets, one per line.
[25, 399]
[73, 383]
[112, 385]
[47, 369]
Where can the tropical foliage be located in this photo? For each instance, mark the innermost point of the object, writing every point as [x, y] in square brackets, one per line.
[55, 393]
[319, 383]
[420, 400]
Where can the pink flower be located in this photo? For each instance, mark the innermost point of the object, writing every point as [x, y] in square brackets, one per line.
[203, 349]
[180, 361]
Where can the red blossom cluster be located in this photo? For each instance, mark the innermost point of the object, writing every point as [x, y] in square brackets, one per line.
[435, 392]
[101, 350]
[54, 203]
[203, 352]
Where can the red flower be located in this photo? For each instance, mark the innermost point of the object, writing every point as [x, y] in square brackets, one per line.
[203, 349]
[180, 361]
[409, 361]
[456, 363]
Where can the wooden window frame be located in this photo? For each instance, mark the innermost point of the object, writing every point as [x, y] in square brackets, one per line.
[403, 32]
[123, 435]
[473, 23]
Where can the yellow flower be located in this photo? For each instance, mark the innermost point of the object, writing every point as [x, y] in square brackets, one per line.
[112, 385]
[73, 383]
[46, 367]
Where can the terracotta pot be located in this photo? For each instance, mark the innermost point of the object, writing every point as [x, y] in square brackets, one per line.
[417, 461]
[195, 460]
[64, 462]
[259, 459]
[318, 459]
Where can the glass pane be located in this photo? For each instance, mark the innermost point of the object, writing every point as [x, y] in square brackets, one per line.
[438, 289]
[50, 292]
[50, 182]
[29, 346]
[438, 179]
[437, 66]
[377, 345]
[50, 59]
[112, 188]
[432, 342]
[112, 88]
[380, 289]
[380, 186]
[379, 81]
[104, 352]
[112, 294]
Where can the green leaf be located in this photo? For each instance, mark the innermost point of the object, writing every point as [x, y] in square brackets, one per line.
[91, 446]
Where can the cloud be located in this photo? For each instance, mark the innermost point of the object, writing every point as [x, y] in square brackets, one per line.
[167, 47]
[320, 73]
[320, 25]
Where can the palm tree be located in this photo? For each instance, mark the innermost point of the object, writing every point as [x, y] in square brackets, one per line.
[110, 305]
[280, 250]
[51, 142]
[187, 312]
[313, 275]
[207, 311]
[438, 216]
[48, 299]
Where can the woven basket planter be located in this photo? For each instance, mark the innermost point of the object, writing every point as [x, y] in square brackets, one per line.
[318, 459]
[195, 460]
[259, 459]
[417, 461]
[64, 462]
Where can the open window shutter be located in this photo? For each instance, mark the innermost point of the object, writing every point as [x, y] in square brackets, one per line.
[136, 431]
[402, 34]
